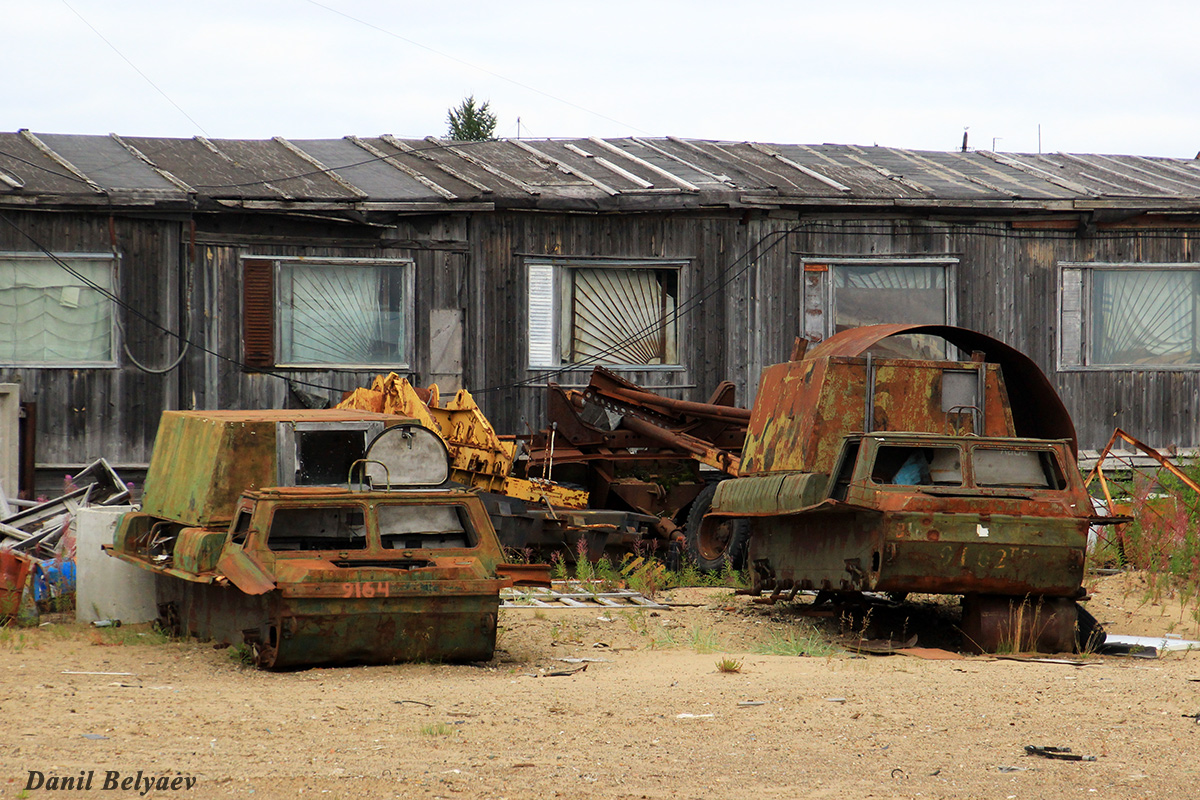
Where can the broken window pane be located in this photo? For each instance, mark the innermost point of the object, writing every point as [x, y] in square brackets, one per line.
[910, 465]
[1145, 316]
[318, 528]
[413, 527]
[55, 314]
[343, 314]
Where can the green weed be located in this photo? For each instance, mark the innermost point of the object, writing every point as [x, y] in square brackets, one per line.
[130, 635]
[805, 642]
[703, 640]
[439, 729]
[242, 655]
[729, 665]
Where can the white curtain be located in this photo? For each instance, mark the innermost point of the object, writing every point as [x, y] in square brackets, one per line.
[335, 314]
[1144, 317]
[53, 317]
[622, 316]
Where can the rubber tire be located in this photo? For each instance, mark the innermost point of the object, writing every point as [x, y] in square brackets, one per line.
[1090, 633]
[712, 558]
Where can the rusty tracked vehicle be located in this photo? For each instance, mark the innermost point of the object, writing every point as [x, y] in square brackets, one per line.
[896, 475]
[317, 537]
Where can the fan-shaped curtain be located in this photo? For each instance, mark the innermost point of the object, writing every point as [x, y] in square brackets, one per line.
[1144, 317]
[341, 314]
[622, 316]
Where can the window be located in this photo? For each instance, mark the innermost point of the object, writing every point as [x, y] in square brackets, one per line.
[849, 293]
[318, 528]
[52, 315]
[413, 527]
[912, 465]
[616, 313]
[1129, 315]
[1036, 469]
[322, 312]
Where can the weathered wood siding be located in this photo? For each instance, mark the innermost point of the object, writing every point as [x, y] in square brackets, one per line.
[720, 336]
[88, 413]
[217, 379]
[742, 297]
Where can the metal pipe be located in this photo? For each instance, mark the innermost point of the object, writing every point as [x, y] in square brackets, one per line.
[683, 406]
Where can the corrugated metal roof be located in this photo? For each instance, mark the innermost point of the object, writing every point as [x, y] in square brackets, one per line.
[588, 174]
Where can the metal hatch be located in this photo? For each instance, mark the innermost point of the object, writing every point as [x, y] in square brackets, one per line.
[407, 457]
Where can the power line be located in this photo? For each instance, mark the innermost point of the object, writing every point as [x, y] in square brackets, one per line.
[153, 323]
[145, 77]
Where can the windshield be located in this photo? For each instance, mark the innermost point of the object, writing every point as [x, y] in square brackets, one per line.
[1036, 469]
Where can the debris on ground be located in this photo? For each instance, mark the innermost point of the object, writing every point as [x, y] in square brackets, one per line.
[37, 542]
[1056, 753]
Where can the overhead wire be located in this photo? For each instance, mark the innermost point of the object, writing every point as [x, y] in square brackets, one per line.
[126, 59]
[154, 323]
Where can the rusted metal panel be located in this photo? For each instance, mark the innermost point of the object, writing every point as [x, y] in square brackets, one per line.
[227, 453]
[14, 571]
[1040, 414]
[318, 574]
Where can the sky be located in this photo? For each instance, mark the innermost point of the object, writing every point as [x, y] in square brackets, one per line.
[1094, 77]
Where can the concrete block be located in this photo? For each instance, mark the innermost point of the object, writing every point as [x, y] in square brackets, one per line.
[105, 587]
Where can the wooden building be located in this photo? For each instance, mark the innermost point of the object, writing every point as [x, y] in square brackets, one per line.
[139, 274]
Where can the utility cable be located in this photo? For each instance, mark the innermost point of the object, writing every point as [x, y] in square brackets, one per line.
[121, 303]
[135, 68]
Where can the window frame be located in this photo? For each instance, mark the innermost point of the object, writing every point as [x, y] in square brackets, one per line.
[256, 316]
[113, 328]
[819, 296]
[552, 334]
[1074, 314]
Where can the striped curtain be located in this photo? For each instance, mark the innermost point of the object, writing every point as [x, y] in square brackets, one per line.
[622, 316]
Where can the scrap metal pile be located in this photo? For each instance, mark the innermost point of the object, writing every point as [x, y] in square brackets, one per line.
[647, 465]
[37, 548]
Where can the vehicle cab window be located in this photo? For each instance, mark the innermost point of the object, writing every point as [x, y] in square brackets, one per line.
[318, 528]
[913, 465]
[414, 527]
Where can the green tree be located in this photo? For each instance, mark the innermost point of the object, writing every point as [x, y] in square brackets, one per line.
[470, 122]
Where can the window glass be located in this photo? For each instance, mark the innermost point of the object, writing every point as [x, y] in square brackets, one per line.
[241, 525]
[1144, 316]
[1036, 469]
[910, 465]
[342, 314]
[618, 315]
[892, 293]
[52, 316]
[413, 527]
[621, 316]
[318, 528]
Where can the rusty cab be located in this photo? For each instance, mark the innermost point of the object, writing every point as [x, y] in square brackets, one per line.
[865, 472]
[317, 537]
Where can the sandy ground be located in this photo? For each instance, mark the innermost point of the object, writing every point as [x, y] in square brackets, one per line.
[652, 716]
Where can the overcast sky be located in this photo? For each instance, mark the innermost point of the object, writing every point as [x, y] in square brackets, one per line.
[1099, 77]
